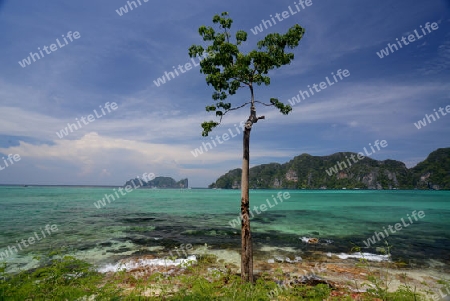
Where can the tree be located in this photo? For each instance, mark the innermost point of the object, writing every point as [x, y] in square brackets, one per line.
[227, 69]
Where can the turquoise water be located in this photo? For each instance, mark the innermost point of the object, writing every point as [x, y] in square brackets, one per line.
[144, 219]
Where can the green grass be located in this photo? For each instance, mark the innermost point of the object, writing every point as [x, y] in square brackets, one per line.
[379, 280]
[67, 278]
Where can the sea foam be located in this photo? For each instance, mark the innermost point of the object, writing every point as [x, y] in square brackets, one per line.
[128, 265]
[367, 256]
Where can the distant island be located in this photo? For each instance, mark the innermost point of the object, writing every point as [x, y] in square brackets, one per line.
[339, 171]
[159, 182]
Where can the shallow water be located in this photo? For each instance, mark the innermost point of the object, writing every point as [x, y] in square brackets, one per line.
[153, 221]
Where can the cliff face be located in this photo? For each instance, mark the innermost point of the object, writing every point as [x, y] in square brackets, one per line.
[339, 171]
[434, 172]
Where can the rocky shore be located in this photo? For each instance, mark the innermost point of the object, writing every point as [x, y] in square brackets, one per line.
[347, 277]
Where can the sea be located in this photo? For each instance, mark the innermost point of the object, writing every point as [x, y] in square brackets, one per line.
[412, 226]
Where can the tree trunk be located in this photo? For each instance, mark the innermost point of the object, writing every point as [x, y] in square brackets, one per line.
[247, 249]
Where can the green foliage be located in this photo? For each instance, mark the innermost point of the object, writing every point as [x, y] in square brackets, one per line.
[159, 182]
[227, 181]
[208, 127]
[227, 68]
[435, 169]
[379, 281]
[319, 292]
[284, 109]
[65, 278]
[311, 173]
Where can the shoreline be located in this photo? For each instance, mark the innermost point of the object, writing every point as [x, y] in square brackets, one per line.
[340, 274]
[285, 268]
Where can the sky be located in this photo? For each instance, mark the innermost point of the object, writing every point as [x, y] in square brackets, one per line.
[105, 61]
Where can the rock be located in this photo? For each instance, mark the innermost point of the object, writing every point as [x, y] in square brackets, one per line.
[279, 259]
[295, 260]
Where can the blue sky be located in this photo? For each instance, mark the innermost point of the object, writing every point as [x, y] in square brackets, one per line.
[154, 129]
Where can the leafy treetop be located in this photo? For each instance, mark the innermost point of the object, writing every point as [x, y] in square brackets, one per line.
[227, 69]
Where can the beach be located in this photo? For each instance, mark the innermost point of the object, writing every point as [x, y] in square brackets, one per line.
[346, 276]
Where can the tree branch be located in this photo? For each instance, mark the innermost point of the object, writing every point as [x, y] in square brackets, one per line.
[266, 104]
[232, 109]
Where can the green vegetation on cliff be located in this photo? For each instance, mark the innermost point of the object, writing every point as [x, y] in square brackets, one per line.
[316, 172]
[159, 182]
[435, 169]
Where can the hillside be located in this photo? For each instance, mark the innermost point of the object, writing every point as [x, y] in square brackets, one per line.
[344, 170]
[159, 182]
